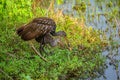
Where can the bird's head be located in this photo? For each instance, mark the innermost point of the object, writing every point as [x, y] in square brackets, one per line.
[61, 33]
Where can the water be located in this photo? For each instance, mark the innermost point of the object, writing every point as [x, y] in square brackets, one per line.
[112, 72]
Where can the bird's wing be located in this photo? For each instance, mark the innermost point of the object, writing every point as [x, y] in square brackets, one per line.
[46, 21]
[34, 29]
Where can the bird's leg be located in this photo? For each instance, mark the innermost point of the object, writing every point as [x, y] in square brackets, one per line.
[41, 49]
[34, 49]
[42, 45]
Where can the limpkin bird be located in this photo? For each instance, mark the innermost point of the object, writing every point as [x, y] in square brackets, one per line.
[41, 29]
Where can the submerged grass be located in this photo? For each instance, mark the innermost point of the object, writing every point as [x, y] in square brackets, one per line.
[79, 57]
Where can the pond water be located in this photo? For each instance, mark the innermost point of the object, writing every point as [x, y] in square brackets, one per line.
[95, 17]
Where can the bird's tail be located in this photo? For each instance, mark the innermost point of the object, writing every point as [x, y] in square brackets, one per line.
[25, 34]
[20, 30]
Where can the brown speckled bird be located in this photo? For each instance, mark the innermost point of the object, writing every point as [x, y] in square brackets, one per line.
[42, 30]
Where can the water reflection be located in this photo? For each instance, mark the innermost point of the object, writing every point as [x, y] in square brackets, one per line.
[96, 17]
